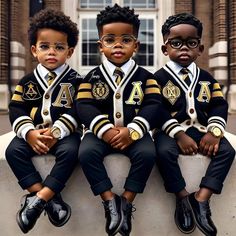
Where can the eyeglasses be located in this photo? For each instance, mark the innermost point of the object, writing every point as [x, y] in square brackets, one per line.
[110, 41]
[59, 48]
[177, 43]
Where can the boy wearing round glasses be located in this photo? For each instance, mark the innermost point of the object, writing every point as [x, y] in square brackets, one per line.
[42, 117]
[193, 120]
[118, 103]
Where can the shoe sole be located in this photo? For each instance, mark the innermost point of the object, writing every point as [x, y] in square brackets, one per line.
[65, 221]
[185, 232]
[199, 227]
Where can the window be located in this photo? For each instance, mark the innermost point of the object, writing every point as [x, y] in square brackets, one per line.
[140, 3]
[89, 55]
[94, 3]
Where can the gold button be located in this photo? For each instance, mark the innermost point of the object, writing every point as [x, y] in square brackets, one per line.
[202, 128]
[190, 94]
[191, 110]
[118, 115]
[117, 95]
[45, 112]
[47, 96]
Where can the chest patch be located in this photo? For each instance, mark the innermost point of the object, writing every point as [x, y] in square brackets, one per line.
[31, 91]
[171, 92]
[100, 90]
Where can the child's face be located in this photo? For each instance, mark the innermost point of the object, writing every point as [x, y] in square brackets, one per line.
[117, 42]
[51, 48]
[182, 45]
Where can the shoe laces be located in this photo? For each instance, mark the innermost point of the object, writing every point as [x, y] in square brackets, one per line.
[206, 208]
[130, 209]
[109, 208]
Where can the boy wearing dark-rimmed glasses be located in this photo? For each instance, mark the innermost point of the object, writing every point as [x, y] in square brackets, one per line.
[193, 120]
[119, 102]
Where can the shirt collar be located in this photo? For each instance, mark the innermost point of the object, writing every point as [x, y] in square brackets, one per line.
[176, 67]
[43, 71]
[112, 67]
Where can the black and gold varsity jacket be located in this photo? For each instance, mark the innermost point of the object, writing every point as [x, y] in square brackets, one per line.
[201, 104]
[134, 103]
[35, 104]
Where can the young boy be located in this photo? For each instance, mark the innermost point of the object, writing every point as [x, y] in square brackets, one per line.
[119, 102]
[39, 115]
[193, 120]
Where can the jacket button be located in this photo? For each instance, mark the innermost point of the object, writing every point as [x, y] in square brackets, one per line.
[118, 115]
[45, 112]
[188, 122]
[191, 110]
[117, 96]
[47, 96]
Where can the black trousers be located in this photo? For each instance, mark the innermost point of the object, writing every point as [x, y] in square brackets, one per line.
[93, 151]
[167, 161]
[19, 157]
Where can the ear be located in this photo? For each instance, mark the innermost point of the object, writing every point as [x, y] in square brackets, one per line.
[100, 46]
[201, 49]
[136, 46]
[70, 52]
[164, 50]
[34, 51]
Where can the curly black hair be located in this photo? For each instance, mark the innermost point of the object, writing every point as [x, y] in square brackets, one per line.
[118, 14]
[56, 20]
[182, 18]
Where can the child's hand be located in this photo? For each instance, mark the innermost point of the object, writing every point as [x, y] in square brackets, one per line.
[36, 139]
[209, 145]
[187, 145]
[109, 134]
[122, 139]
[53, 141]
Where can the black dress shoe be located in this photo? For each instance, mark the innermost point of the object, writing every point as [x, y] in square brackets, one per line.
[184, 216]
[113, 214]
[58, 211]
[31, 208]
[202, 216]
[127, 211]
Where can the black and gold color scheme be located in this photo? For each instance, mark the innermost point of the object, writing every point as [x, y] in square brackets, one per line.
[35, 104]
[200, 104]
[133, 104]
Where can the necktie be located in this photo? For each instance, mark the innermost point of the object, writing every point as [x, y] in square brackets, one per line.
[51, 76]
[119, 75]
[185, 76]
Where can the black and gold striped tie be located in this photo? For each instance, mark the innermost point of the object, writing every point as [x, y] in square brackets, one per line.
[51, 76]
[119, 75]
[185, 75]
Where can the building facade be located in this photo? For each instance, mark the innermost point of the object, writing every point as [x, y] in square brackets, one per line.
[219, 37]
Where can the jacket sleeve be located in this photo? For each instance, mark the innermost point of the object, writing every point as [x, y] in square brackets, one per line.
[88, 111]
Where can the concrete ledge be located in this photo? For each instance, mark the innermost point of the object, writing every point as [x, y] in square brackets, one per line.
[155, 208]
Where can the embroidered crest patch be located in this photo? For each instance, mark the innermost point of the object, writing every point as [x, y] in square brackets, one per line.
[100, 90]
[171, 92]
[31, 91]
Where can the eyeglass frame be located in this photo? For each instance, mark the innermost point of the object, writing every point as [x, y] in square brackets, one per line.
[101, 40]
[183, 42]
[65, 47]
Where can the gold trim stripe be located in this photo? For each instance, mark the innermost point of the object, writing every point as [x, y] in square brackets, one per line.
[216, 86]
[19, 89]
[81, 95]
[99, 125]
[33, 112]
[152, 90]
[17, 98]
[151, 82]
[217, 94]
[85, 86]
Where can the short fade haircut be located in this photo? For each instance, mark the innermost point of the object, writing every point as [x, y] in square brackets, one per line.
[182, 18]
[118, 14]
[56, 20]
